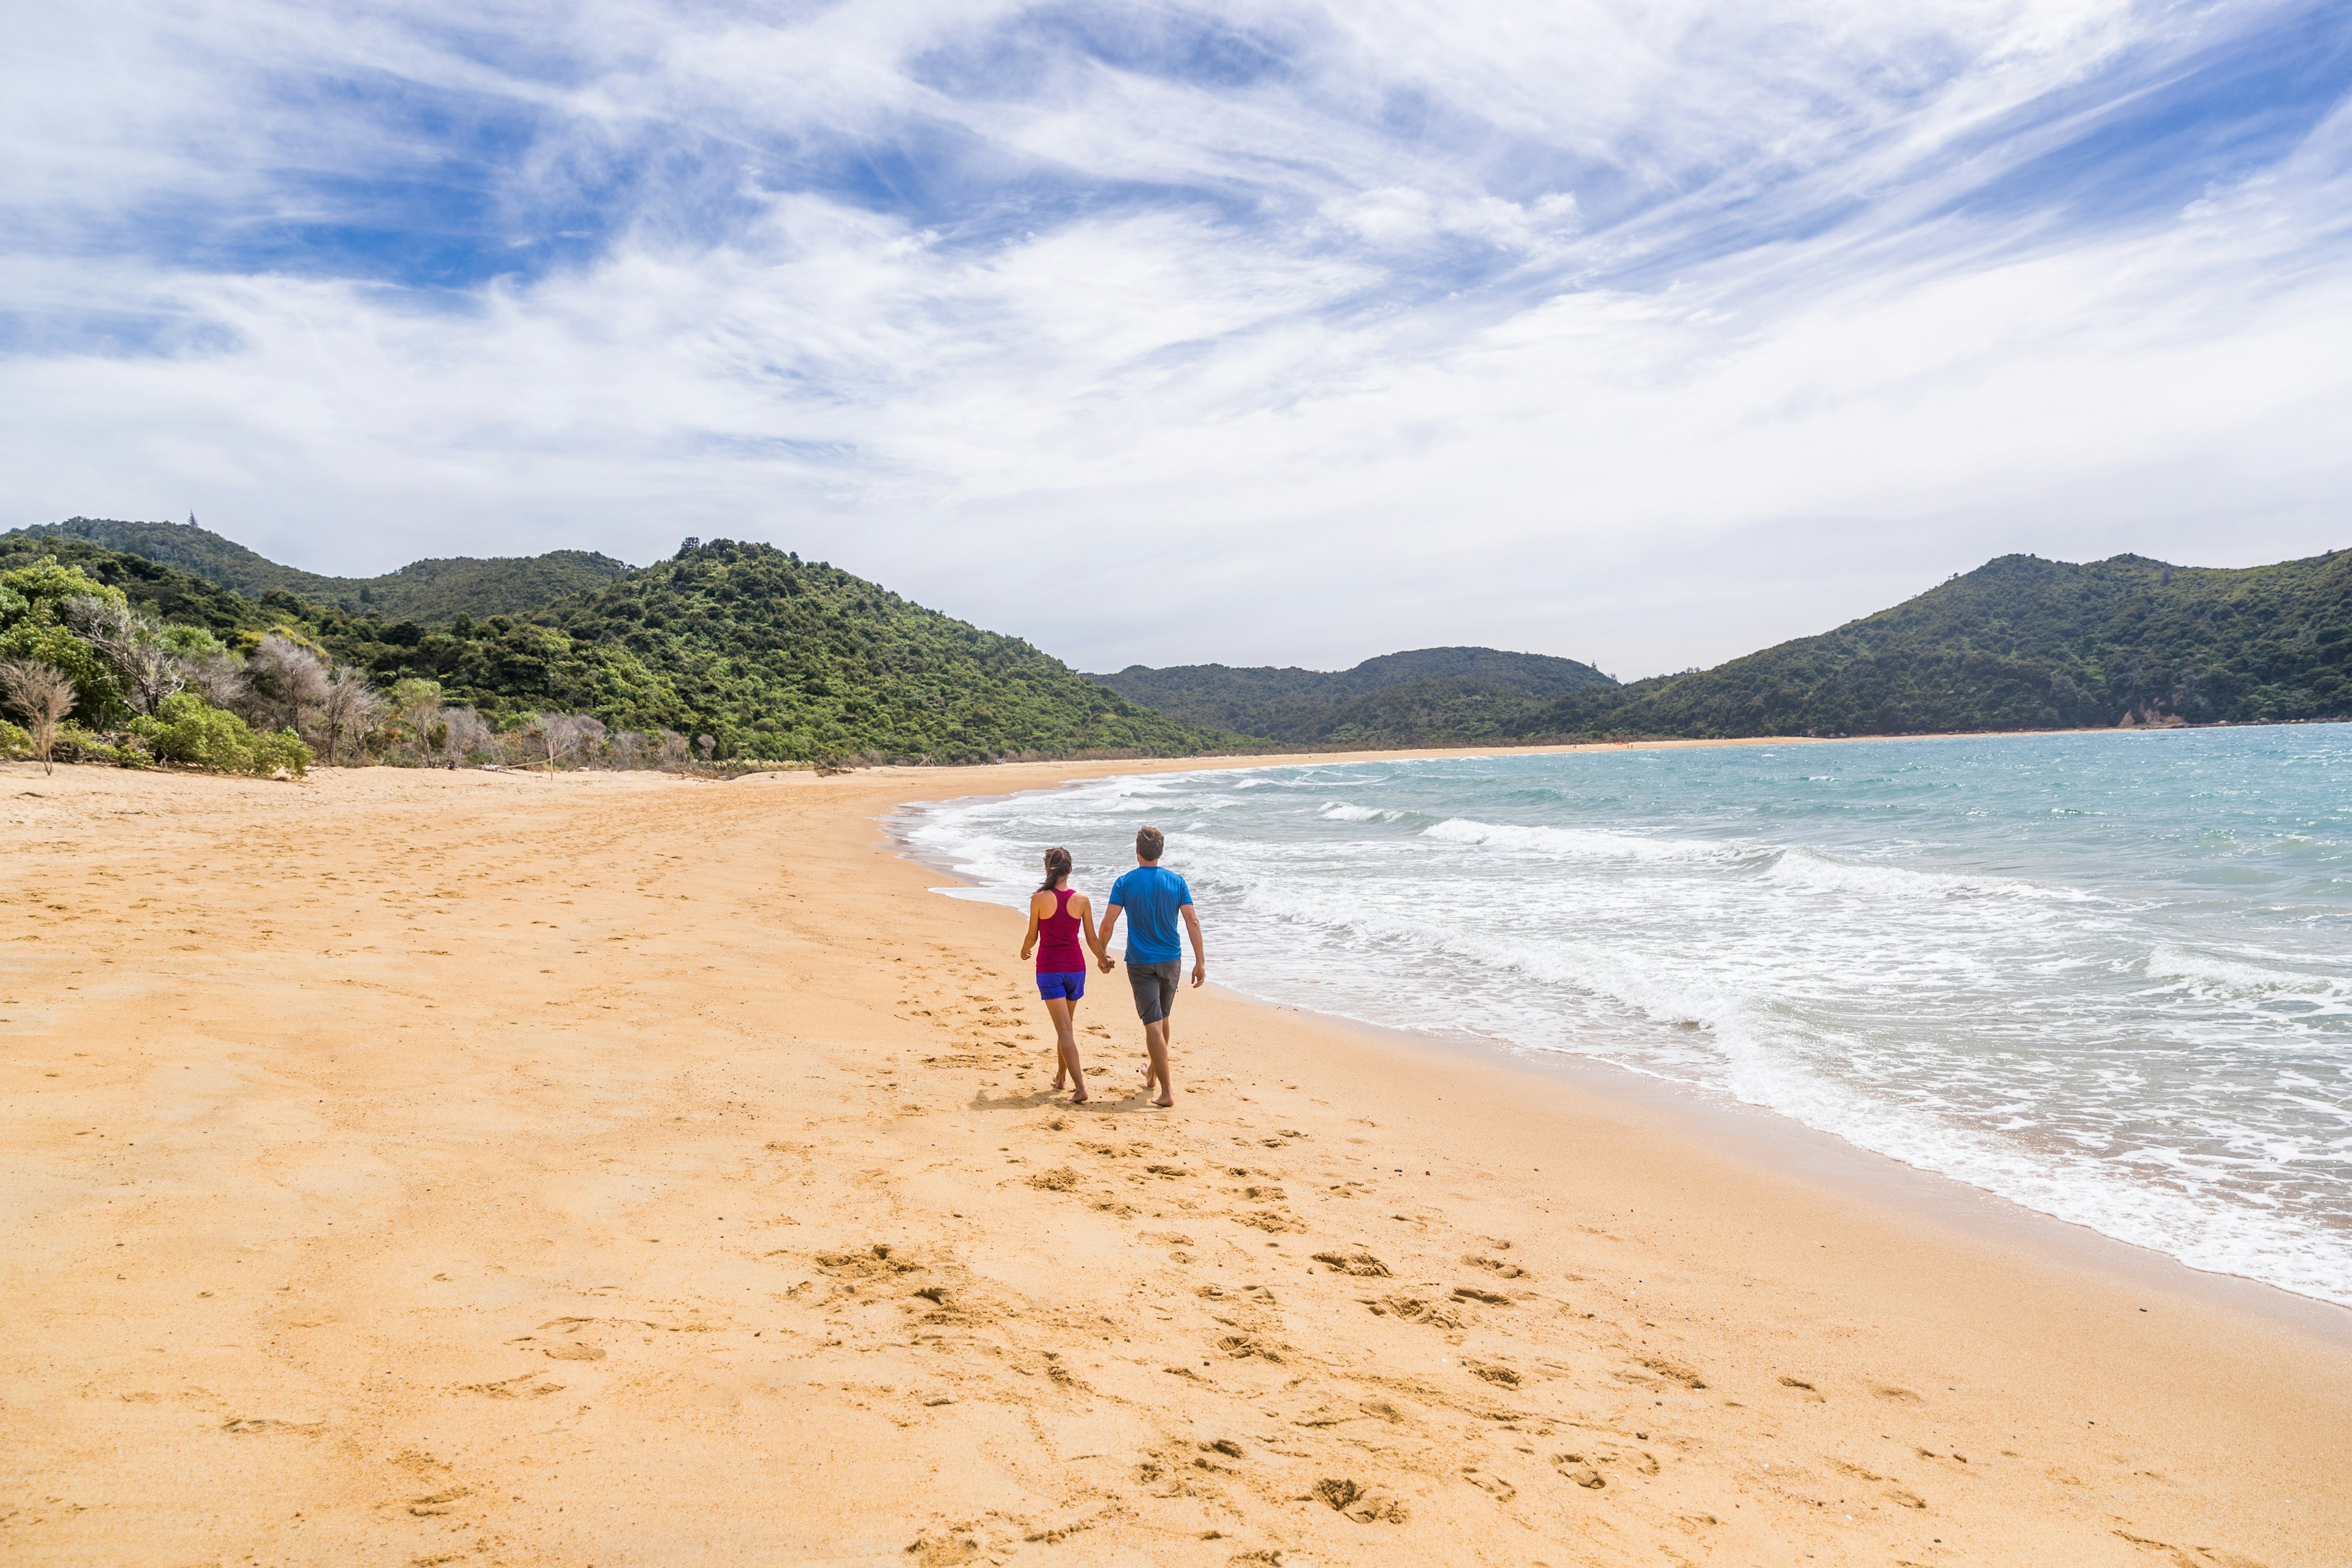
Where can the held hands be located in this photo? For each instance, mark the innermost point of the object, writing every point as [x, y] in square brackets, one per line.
[1105, 959]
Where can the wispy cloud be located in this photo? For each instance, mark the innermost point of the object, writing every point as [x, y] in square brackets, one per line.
[1639, 333]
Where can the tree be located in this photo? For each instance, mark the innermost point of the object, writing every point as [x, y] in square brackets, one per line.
[44, 695]
[33, 627]
[418, 705]
[287, 682]
[672, 752]
[131, 643]
[592, 733]
[557, 735]
[347, 711]
[214, 672]
[465, 733]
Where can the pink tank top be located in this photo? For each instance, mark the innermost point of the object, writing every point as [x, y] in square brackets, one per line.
[1059, 951]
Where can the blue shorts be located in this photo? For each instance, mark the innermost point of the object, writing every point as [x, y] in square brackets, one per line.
[1072, 985]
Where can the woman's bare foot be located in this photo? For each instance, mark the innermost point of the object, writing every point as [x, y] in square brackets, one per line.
[1080, 1098]
[1164, 1104]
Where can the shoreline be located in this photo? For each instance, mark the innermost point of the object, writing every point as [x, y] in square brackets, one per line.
[611, 1170]
[1773, 1141]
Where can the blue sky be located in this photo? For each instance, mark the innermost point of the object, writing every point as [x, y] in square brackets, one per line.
[1647, 333]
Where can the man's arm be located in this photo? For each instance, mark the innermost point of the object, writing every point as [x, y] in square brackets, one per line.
[1200, 953]
[1102, 946]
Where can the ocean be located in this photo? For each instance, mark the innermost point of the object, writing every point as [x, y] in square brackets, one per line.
[2105, 976]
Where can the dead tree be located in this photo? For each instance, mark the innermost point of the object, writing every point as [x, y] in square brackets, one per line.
[43, 694]
[285, 682]
[348, 712]
[557, 735]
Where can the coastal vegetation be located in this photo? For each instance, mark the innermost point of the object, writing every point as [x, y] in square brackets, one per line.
[726, 654]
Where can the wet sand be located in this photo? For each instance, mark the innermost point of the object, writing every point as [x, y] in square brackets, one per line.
[419, 1168]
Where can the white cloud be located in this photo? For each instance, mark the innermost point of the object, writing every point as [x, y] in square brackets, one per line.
[1647, 334]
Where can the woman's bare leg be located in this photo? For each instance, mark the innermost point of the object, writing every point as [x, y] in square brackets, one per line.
[1066, 1048]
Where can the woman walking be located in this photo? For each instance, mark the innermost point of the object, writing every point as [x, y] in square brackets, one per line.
[1056, 918]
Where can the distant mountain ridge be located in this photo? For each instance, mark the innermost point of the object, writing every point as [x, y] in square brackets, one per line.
[432, 590]
[1428, 697]
[2019, 643]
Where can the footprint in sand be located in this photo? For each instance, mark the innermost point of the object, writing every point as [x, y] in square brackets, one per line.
[1888, 1391]
[1360, 1263]
[1573, 1467]
[1363, 1506]
[1674, 1370]
[1415, 1310]
[1243, 1347]
[1494, 1485]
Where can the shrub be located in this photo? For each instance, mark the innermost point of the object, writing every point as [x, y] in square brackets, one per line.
[190, 731]
[125, 749]
[14, 741]
[283, 751]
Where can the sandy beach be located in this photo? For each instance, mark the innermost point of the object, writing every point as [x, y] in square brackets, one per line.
[419, 1168]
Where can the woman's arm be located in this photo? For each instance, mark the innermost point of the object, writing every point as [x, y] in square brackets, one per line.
[1029, 942]
[1086, 914]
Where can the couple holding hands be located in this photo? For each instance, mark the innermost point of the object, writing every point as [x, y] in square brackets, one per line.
[1152, 899]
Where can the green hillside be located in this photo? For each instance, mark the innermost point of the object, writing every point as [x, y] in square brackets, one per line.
[774, 657]
[2019, 644]
[422, 590]
[2026, 643]
[1430, 697]
[170, 595]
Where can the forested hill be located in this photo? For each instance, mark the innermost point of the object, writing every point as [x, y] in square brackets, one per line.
[2021, 643]
[1429, 696]
[774, 657]
[422, 590]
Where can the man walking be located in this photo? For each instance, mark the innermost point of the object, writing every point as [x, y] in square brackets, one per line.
[1152, 899]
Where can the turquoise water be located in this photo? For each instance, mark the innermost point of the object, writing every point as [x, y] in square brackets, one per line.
[2105, 976]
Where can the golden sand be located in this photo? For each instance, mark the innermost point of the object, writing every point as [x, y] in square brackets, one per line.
[413, 1168]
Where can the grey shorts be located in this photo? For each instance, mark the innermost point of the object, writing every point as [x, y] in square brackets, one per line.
[1155, 988]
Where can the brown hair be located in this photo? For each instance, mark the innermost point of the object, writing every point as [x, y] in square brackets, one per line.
[1149, 843]
[1057, 868]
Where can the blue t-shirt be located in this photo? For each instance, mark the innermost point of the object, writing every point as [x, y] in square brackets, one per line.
[1151, 898]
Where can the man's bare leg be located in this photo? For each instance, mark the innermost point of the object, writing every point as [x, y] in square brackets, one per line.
[1155, 1040]
[1065, 1049]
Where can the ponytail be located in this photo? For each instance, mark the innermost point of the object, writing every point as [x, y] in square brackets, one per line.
[1057, 868]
